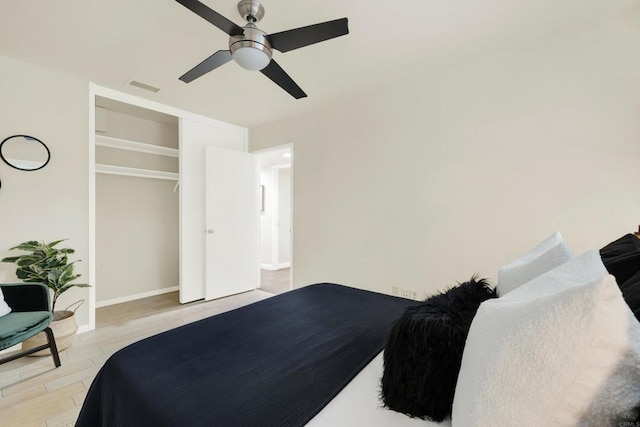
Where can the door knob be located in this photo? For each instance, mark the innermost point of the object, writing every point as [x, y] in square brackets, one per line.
[210, 231]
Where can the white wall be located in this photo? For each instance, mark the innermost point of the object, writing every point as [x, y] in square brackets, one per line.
[136, 236]
[51, 203]
[138, 129]
[427, 180]
[284, 216]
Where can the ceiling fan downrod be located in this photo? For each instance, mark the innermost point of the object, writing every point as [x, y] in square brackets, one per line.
[252, 50]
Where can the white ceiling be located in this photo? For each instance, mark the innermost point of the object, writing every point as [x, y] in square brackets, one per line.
[111, 42]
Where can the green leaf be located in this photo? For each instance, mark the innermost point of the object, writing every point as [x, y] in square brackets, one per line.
[53, 275]
[26, 261]
[31, 245]
[52, 244]
[71, 285]
[22, 274]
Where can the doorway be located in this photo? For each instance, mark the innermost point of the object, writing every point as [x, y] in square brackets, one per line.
[275, 170]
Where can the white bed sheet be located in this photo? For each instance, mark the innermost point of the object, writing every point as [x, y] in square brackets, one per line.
[358, 404]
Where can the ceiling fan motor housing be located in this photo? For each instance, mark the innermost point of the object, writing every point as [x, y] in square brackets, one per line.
[251, 50]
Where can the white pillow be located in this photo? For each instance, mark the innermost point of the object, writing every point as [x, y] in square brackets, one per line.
[546, 256]
[559, 350]
[4, 308]
[586, 268]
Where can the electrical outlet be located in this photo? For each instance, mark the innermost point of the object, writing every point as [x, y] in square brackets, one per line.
[404, 292]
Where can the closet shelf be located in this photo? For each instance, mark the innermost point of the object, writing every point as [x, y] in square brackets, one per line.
[140, 173]
[124, 144]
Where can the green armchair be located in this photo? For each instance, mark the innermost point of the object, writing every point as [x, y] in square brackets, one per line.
[30, 315]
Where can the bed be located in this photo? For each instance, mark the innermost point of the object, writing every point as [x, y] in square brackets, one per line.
[292, 354]
[313, 357]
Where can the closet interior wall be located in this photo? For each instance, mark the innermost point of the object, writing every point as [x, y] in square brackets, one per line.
[136, 217]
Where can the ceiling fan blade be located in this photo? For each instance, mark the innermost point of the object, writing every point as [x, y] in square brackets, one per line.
[219, 58]
[212, 16]
[282, 79]
[305, 36]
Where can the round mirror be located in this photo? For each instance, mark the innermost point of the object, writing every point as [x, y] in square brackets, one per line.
[24, 152]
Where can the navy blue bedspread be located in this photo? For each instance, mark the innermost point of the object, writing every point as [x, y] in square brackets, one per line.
[276, 362]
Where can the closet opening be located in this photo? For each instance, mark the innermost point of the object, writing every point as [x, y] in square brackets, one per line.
[136, 203]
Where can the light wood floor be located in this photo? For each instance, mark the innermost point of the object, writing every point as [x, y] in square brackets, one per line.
[34, 393]
[275, 281]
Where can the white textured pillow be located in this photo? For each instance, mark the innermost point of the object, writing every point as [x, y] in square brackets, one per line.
[586, 268]
[4, 308]
[561, 350]
[544, 257]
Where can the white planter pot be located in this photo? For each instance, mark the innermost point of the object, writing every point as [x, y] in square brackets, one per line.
[64, 329]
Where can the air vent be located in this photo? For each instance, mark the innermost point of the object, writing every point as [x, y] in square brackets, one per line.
[144, 86]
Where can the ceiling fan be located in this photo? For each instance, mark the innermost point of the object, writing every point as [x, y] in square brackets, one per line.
[252, 48]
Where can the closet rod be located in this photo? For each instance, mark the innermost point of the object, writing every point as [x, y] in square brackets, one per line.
[139, 173]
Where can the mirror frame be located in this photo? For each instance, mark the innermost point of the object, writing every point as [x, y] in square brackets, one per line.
[30, 137]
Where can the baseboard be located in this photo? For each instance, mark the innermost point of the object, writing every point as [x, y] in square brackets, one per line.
[272, 267]
[83, 328]
[135, 296]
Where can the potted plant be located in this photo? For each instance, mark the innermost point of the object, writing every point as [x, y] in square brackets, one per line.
[44, 263]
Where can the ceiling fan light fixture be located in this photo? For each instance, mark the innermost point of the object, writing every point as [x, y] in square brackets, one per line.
[250, 55]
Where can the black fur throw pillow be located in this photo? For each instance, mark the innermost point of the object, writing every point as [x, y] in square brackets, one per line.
[423, 352]
[622, 259]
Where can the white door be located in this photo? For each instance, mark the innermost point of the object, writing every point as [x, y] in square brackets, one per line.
[231, 209]
[195, 137]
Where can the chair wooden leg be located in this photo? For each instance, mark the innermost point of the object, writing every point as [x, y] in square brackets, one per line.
[53, 347]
